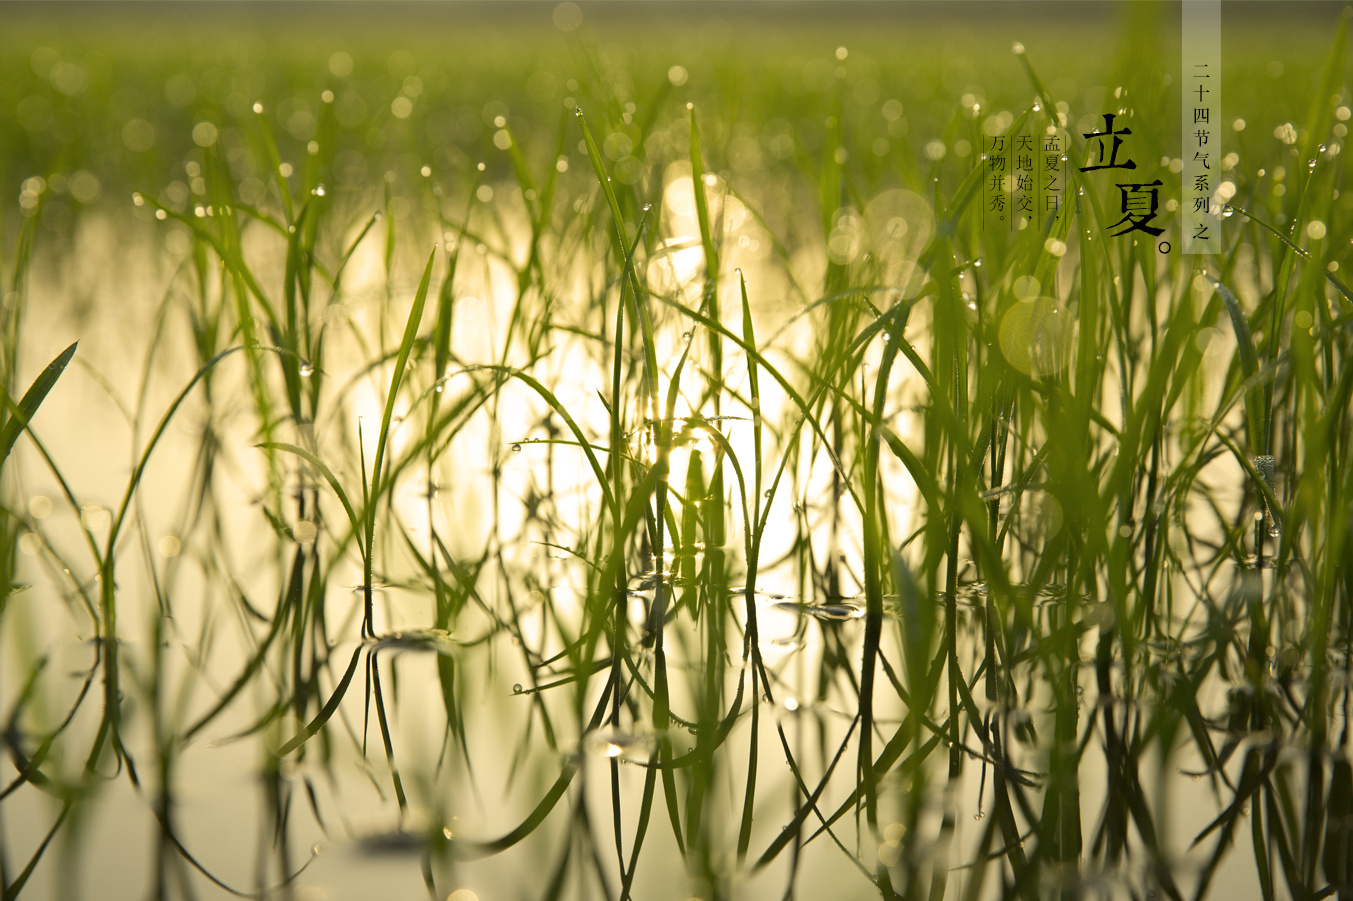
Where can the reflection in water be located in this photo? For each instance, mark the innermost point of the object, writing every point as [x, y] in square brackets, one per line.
[527, 666]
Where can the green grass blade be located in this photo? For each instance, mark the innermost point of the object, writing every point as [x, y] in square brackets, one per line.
[401, 362]
[27, 407]
[329, 477]
[1249, 364]
[326, 712]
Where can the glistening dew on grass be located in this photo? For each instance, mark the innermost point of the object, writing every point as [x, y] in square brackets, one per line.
[638, 451]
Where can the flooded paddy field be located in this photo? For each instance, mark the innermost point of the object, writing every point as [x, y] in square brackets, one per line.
[673, 451]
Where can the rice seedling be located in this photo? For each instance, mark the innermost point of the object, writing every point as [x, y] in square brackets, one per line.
[715, 497]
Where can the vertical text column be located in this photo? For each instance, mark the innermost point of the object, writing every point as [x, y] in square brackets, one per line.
[996, 184]
[1201, 121]
[1054, 178]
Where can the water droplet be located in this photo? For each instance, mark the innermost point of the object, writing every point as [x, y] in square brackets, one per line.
[1038, 107]
[307, 370]
[319, 191]
[161, 214]
[977, 263]
[1064, 157]
[481, 167]
[1310, 164]
[1227, 212]
[767, 494]
[685, 336]
[137, 199]
[1017, 48]
[648, 207]
[516, 448]
[1274, 531]
[516, 689]
[979, 815]
[258, 108]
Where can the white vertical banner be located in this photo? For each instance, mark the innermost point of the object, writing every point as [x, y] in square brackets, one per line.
[1201, 125]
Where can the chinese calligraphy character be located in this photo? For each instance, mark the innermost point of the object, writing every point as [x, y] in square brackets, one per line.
[1139, 205]
[1108, 132]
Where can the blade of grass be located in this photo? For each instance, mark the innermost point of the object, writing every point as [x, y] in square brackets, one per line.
[27, 407]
